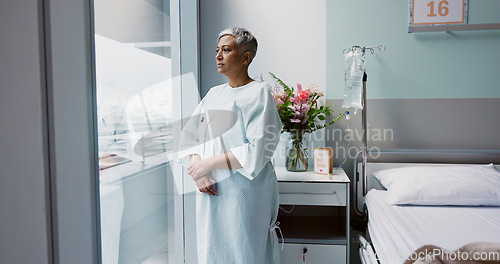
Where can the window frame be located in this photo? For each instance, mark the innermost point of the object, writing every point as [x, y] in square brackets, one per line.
[73, 175]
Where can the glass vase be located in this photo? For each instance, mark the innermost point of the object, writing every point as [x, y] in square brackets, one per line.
[297, 157]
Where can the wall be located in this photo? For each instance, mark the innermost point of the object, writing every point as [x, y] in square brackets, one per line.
[73, 153]
[291, 36]
[24, 236]
[47, 207]
[459, 64]
[433, 90]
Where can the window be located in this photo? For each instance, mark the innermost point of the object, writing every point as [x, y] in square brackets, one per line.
[133, 48]
[137, 56]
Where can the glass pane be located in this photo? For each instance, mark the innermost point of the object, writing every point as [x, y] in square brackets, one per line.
[134, 65]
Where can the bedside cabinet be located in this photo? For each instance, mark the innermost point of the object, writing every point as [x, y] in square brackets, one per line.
[314, 217]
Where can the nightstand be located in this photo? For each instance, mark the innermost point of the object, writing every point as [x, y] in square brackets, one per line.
[314, 216]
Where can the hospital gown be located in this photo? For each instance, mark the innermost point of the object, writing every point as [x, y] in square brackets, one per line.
[238, 225]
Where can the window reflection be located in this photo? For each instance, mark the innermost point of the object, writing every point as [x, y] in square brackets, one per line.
[134, 115]
[134, 102]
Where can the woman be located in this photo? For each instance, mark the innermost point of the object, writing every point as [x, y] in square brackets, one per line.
[238, 201]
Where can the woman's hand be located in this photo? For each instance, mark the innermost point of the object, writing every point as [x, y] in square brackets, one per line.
[199, 167]
[201, 171]
[206, 184]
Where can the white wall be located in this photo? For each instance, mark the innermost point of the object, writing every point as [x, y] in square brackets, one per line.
[291, 36]
[23, 204]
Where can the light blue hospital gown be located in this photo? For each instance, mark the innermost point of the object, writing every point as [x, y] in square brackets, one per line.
[238, 225]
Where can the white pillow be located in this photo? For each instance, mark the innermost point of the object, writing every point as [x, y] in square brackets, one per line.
[444, 185]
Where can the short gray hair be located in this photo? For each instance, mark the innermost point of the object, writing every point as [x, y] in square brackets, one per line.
[244, 39]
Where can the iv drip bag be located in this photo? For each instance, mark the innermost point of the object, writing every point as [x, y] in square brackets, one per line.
[354, 70]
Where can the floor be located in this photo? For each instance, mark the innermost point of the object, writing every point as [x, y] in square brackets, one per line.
[147, 241]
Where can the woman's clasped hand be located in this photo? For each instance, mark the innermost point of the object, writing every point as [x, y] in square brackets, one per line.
[201, 172]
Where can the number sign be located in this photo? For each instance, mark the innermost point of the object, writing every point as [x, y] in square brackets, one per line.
[431, 12]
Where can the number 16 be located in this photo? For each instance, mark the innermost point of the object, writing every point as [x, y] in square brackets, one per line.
[442, 8]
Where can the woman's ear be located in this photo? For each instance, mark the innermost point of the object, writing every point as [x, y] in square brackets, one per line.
[247, 57]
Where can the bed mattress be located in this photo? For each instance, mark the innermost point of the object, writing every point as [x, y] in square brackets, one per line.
[397, 231]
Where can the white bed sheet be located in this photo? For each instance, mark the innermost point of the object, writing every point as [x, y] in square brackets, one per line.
[397, 231]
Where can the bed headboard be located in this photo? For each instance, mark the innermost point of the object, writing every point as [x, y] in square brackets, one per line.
[361, 187]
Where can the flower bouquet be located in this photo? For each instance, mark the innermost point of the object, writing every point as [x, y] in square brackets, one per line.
[300, 113]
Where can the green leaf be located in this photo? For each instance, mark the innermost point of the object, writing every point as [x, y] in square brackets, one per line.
[287, 89]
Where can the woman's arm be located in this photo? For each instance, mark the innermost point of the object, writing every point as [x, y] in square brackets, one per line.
[201, 167]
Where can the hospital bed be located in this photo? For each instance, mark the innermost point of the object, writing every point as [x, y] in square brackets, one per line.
[420, 206]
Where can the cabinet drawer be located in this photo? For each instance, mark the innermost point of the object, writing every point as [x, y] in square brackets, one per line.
[333, 194]
[316, 254]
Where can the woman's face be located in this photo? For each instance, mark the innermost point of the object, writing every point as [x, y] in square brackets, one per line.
[228, 58]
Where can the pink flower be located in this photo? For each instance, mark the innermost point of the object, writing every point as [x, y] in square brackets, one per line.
[280, 98]
[305, 108]
[298, 104]
[303, 95]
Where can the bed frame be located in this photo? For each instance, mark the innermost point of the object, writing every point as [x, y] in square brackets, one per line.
[363, 179]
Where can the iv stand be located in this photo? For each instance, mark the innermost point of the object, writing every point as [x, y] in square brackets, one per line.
[364, 146]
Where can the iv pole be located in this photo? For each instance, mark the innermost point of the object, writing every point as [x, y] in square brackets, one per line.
[364, 122]
[364, 146]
